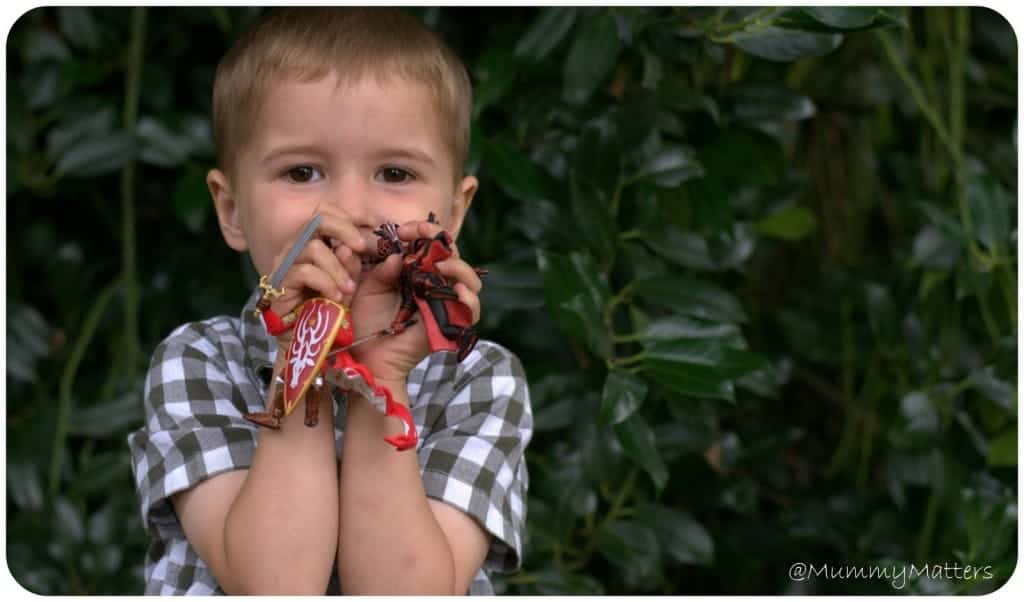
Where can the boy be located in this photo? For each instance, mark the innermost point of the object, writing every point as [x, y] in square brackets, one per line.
[361, 115]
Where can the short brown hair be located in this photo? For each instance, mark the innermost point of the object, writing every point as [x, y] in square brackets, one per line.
[310, 43]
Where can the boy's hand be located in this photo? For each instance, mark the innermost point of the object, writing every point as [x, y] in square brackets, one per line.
[329, 266]
[377, 300]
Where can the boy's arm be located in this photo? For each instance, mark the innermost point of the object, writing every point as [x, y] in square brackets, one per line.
[272, 528]
[393, 539]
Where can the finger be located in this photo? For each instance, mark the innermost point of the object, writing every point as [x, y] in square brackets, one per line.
[383, 278]
[461, 271]
[469, 298]
[321, 256]
[300, 278]
[338, 225]
[350, 262]
[418, 229]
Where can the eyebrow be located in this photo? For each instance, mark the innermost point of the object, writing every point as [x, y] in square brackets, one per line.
[406, 153]
[292, 149]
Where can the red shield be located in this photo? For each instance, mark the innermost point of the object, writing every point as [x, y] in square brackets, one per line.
[315, 329]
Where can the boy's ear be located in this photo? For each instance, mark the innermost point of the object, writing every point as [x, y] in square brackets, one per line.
[464, 194]
[228, 213]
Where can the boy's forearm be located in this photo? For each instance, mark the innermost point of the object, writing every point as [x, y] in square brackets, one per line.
[389, 541]
[280, 535]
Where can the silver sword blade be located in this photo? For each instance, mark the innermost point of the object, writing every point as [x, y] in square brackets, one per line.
[300, 244]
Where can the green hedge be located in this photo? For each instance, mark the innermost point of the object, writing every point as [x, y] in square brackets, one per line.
[760, 265]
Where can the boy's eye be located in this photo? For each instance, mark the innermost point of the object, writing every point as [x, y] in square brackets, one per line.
[395, 175]
[303, 174]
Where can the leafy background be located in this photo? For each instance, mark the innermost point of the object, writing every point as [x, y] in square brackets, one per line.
[760, 265]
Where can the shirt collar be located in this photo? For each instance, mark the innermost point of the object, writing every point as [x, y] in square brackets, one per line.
[260, 346]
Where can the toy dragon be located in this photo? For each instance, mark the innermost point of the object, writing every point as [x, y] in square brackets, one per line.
[319, 351]
[449, 322]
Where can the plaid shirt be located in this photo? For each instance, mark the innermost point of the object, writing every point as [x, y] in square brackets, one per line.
[473, 419]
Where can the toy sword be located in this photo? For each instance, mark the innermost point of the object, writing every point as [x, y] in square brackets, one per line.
[271, 288]
[380, 333]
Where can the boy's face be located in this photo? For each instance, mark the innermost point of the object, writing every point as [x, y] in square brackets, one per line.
[375, 150]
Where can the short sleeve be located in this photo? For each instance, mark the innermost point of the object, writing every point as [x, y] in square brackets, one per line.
[194, 427]
[473, 455]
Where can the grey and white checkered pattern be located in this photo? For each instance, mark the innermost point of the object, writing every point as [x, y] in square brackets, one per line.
[473, 418]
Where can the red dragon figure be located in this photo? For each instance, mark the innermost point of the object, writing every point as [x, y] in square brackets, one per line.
[318, 352]
[323, 330]
[449, 322]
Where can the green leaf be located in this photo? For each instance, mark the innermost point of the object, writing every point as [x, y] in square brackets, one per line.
[933, 249]
[44, 87]
[104, 471]
[792, 223]
[989, 205]
[1003, 450]
[730, 248]
[672, 165]
[109, 559]
[697, 380]
[78, 25]
[843, 17]
[686, 249]
[1000, 392]
[623, 394]
[553, 582]
[784, 45]
[691, 297]
[766, 381]
[592, 325]
[705, 351]
[72, 129]
[882, 314]
[737, 159]
[631, 546]
[681, 327]
[593, 281]
[692, 430]
[683, 538]
[97, 156]
[597, 159]
[101, 525]
[949, 226]
[678, 95]
[547, 32]
[638, 442]
[43, 44]
[737, 363]
[575, 294]
[192, 199]
[107, 417]
[972, 281]
[592, 57]
[495, 72]
[763, 101]
[159, 146]
[24, 485]
[67, 520]
[920, 414]
[852, 17]
[514, 173]
[592, 210]
[729, 363]
[29, 334]
[512, 287]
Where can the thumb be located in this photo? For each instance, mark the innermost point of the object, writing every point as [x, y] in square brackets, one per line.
[385, 275]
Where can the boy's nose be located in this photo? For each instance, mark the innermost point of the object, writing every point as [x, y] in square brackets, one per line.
[353, 198]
